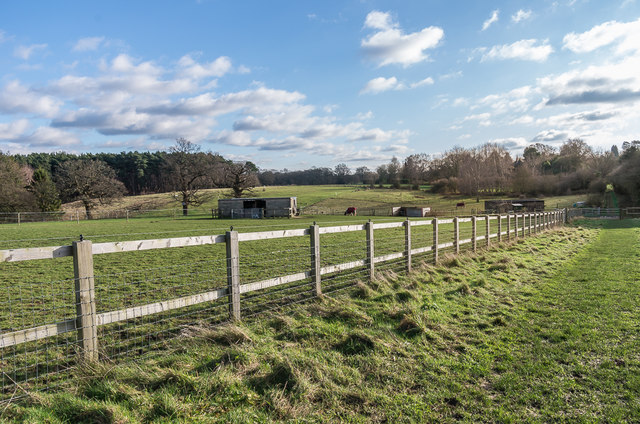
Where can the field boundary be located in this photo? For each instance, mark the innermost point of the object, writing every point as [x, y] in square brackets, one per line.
[87, 320]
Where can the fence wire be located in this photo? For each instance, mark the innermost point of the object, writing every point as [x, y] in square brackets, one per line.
[135, 302]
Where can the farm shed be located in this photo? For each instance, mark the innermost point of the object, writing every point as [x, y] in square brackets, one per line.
[509, 205]
[411, 211]
[258, 207]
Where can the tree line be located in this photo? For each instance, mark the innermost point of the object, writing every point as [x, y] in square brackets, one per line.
[489, 170]
[43, 181]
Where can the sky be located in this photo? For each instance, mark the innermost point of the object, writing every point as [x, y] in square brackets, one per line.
[297, 84]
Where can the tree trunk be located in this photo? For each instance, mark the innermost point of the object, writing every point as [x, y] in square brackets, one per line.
[185, 206]
[87, 208]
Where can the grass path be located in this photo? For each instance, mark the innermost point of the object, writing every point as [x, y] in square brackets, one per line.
[542, 330]
[575, 351]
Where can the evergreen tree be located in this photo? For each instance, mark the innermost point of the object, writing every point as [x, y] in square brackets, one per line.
[45, 191]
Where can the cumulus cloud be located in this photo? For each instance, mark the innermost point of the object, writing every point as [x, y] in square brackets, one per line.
[88, 44]
[521, 15]
[624, 35]
[380, 84]
[523, 50]
[494, 18]
[13, 130]
[616, 82]
[16, 98]
[390, 45]
[25, 52]
[216, 68]
[552, 136]
[512, 144]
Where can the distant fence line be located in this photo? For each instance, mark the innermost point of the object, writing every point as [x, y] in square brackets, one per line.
[46, 328]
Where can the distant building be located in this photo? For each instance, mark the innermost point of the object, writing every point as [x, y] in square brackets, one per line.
[411, 211]
[511, 205]
[258, 207]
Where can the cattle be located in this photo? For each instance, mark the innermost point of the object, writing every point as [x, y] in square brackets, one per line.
[351, 211]
[460, 205]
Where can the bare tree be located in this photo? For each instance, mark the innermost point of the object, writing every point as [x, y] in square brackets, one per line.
[190, 171]
[91, 181]
[241, 177]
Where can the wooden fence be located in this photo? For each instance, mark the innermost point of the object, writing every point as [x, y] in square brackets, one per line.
[86, 321]
[82, 251]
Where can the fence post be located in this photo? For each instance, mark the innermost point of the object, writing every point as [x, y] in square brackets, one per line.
[85, 299]
[314, 233]
[435, 240]
[18, 218]
[370, 250]
[407, 243]
[474, 233]
[530, 223]
[233, 273]
[499, 227]
[456, 235]
[515, 224]
[508, 226]
[487, 231]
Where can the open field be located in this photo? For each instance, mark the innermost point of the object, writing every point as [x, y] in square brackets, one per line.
[328, 197]
[542, 330]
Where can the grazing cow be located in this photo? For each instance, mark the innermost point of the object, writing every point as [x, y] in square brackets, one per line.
[351, 211]
[460, 205]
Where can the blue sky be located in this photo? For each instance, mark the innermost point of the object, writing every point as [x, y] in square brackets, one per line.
[315, 83]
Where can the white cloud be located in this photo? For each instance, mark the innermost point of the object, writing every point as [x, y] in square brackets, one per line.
[88, 44]
[521, 15]
[625, 35]
[611, 83]
[379, 20]
[523, 50]
[3, 36]
[512, 144]
[516, 100]
[494, 18]
[25, 52]
[390, 45]
[364, 116]
[13, 130]
[16, 98]
[426, 81]
[482, 118]
[552, 136]
[380, 84]
[216, 68]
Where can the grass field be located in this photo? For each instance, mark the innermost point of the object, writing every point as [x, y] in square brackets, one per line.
[337, 197]
[542, 330]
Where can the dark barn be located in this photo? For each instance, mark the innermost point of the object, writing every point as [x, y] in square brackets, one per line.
[260, 207]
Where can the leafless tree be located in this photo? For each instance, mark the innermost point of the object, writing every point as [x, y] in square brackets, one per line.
[189, 171]
[91, 181]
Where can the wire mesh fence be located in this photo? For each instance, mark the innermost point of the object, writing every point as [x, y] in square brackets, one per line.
[126, 298]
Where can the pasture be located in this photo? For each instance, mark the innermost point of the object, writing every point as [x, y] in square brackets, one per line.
[539, 330]
[323, 198]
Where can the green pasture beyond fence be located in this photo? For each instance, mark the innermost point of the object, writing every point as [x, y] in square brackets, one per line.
[109, 300]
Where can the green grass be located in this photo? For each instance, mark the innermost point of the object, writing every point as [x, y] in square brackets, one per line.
[542, 330]
[324, 198]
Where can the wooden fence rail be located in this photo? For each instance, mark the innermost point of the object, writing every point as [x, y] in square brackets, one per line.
[88, 320]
